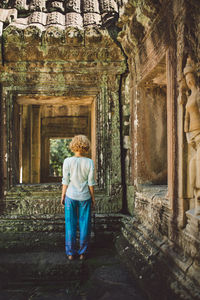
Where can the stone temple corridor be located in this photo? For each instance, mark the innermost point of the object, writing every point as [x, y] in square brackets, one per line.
[125, 73]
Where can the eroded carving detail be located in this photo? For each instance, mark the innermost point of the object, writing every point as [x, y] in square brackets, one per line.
[91, 6]
[108, 5]
[92, 18]
[37, 17]
[57, 4]
[38, 5]
[21, 4]
[74, 36]
[73, 6]
[56, 18]
[73, 19]
[7, 15]
[59, 12]
[53, 33]
[192, 129]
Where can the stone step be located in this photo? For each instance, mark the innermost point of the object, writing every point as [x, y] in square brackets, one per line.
[46, 275]
[48, 231]
[39, 266]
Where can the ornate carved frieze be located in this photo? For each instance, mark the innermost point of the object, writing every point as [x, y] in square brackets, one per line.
[38, 5]
[58, 5]
[55, 18]
[21, 4]
[53, 34]
[73, 6]
[92, 36]
[13, 34]
[91, 19]
[91, 6]
[74, 36]
[32, 33]
[7, 15]
[69, 13]
[108, 5]
[37, 17]
[74, 20]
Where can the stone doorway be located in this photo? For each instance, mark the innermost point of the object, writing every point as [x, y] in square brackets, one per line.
[152, 127]
[38, 120]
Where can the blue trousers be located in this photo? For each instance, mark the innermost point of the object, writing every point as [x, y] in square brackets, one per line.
[81, 211]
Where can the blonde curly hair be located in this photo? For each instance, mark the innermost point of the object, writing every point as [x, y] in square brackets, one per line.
[80, 143]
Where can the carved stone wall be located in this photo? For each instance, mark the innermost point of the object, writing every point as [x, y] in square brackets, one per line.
[23, 13]
[68, 63]
[157, 37]
[135, 74]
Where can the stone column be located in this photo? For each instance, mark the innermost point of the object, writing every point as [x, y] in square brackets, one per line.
[183, 201]
[35, 144]
[3, 148]
[171, 128]
[26, 142]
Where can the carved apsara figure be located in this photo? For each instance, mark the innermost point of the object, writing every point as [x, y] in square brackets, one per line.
[192, 129]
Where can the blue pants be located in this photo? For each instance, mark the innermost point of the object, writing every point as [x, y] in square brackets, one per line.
[74, 210]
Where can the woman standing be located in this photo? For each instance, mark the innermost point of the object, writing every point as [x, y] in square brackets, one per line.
[78, 196]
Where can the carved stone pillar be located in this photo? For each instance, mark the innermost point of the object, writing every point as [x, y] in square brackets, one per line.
[35, 144]
[3, 148]
[26, 141]
[171, 134]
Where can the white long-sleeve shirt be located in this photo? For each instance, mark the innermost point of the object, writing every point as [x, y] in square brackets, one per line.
[78, 174]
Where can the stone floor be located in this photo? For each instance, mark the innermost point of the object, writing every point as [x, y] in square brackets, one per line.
[47, 275]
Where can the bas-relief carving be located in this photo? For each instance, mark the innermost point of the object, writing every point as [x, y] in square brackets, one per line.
[21, 4]
[44, 13]
[74, 36]
[56, 18]
[74, 19]
[57, 4]
[38, 5]
[54, 35]
[192, 130]
[73, 6]
[37, 17]
[7, 15]
[91, 6]
[32, 33]
[91, 18]
[108, 5]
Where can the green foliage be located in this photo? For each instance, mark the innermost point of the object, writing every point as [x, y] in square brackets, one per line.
[59, 150]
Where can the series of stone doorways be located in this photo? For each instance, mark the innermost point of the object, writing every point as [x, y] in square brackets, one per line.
[38, 120]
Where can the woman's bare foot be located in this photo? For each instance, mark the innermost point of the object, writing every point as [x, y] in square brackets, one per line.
[81, 257]
[70, 257]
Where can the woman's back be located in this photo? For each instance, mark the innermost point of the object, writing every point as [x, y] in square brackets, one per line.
[78, 174]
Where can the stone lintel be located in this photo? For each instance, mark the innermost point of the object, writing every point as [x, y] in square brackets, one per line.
[51, 100]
